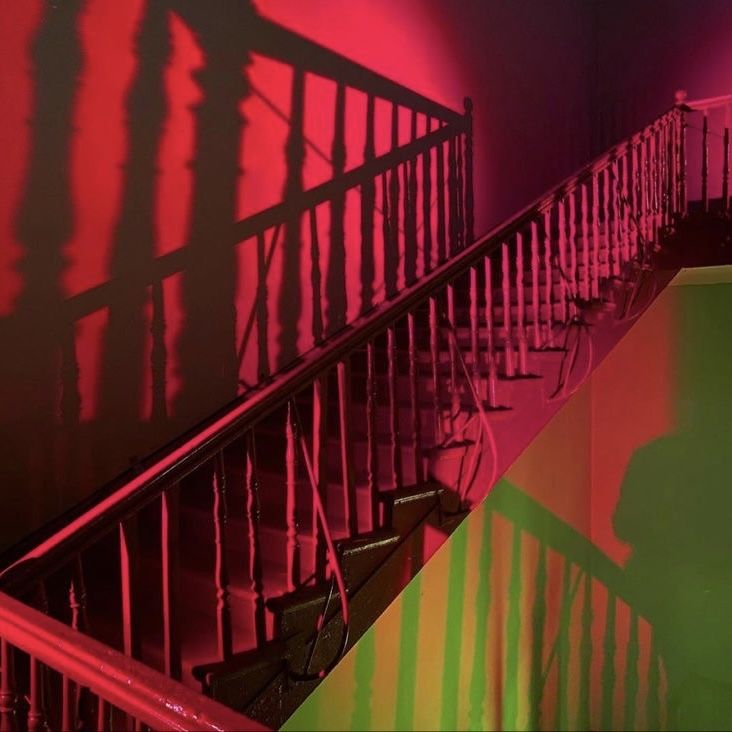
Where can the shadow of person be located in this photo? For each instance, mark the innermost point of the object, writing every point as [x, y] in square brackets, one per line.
[675, 510]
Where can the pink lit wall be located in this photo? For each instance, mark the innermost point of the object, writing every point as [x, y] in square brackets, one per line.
[119, 147]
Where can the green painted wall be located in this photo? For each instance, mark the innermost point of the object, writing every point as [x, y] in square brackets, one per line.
[592, 589]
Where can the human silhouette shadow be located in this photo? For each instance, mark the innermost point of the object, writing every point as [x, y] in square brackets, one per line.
[675, 510]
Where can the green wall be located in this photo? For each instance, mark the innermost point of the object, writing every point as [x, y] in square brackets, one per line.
[592, 588]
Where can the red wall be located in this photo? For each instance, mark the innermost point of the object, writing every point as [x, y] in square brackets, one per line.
[117, 149]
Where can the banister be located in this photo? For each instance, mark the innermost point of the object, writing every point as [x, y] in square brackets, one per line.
[124, 496]
[709, 102]
[129, 685]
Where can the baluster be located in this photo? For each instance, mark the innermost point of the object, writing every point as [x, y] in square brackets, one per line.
[391, 256]
[414, 395]
[605, 272]
[520, 309]
[681, 161]
[372, 460]
[492, 370]
[573, 250]
[509, 365]
[469, 203]
[427, 203]
[396, 454]
[452, 195]
[441, 225]
[616, 221]
[315, 279]
[563, 276]
[535, 300]
[705, 163]
[263, 367]
[79, 621]
[644, 192]
[584, 208]
[459, 192]
[664, 170]
[159, 353]
[103, 710]
[595, 270]
[435, 358]
[368, 202]
[725, 168]
[68, 721]
[634, 199]
[454, 389]
[221, 571]
[653, 181]
[36, 719]
[252, 509]
[671, 164]
[624, 164]
[549, 280]
[658, 180]
[8, 697]
[129, 568]
[343, 371]
[293, 543]
[320, 467]
[474, 326]
[336, 295]
[410, 211]
[170, 560]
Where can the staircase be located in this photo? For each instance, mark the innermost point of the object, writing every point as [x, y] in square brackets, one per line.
[239, 564]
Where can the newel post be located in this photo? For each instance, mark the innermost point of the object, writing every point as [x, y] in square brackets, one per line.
[469, 212]
[680, 103]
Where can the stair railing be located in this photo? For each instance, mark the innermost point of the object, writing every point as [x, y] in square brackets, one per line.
[708, 150]
[395, 366]
[92, 685]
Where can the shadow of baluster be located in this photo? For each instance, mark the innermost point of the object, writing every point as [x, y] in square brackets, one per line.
[33, 336]
[538, 621]
[441, 223]
[206, 348]
[469, 200]
[452, 197]
[335, 284]
[583, 717]
[427, 202]
[391, 245]
[368, 202]
[290, 297]
[608, 665]
[630, 690]
[410, 211]
[262, 316]
[133, 244]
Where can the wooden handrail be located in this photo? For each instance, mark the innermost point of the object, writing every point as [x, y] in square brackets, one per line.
[709, 102]
[131, 686]
[121, 498]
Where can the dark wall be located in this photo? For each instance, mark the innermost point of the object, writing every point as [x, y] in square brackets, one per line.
[647, 50]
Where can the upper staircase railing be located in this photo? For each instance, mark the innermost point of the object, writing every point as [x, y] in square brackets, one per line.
[708, 150]
[366, 406]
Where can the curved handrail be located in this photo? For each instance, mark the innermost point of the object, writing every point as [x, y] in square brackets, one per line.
[699, 105]
[131, 686]
[123, 497]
